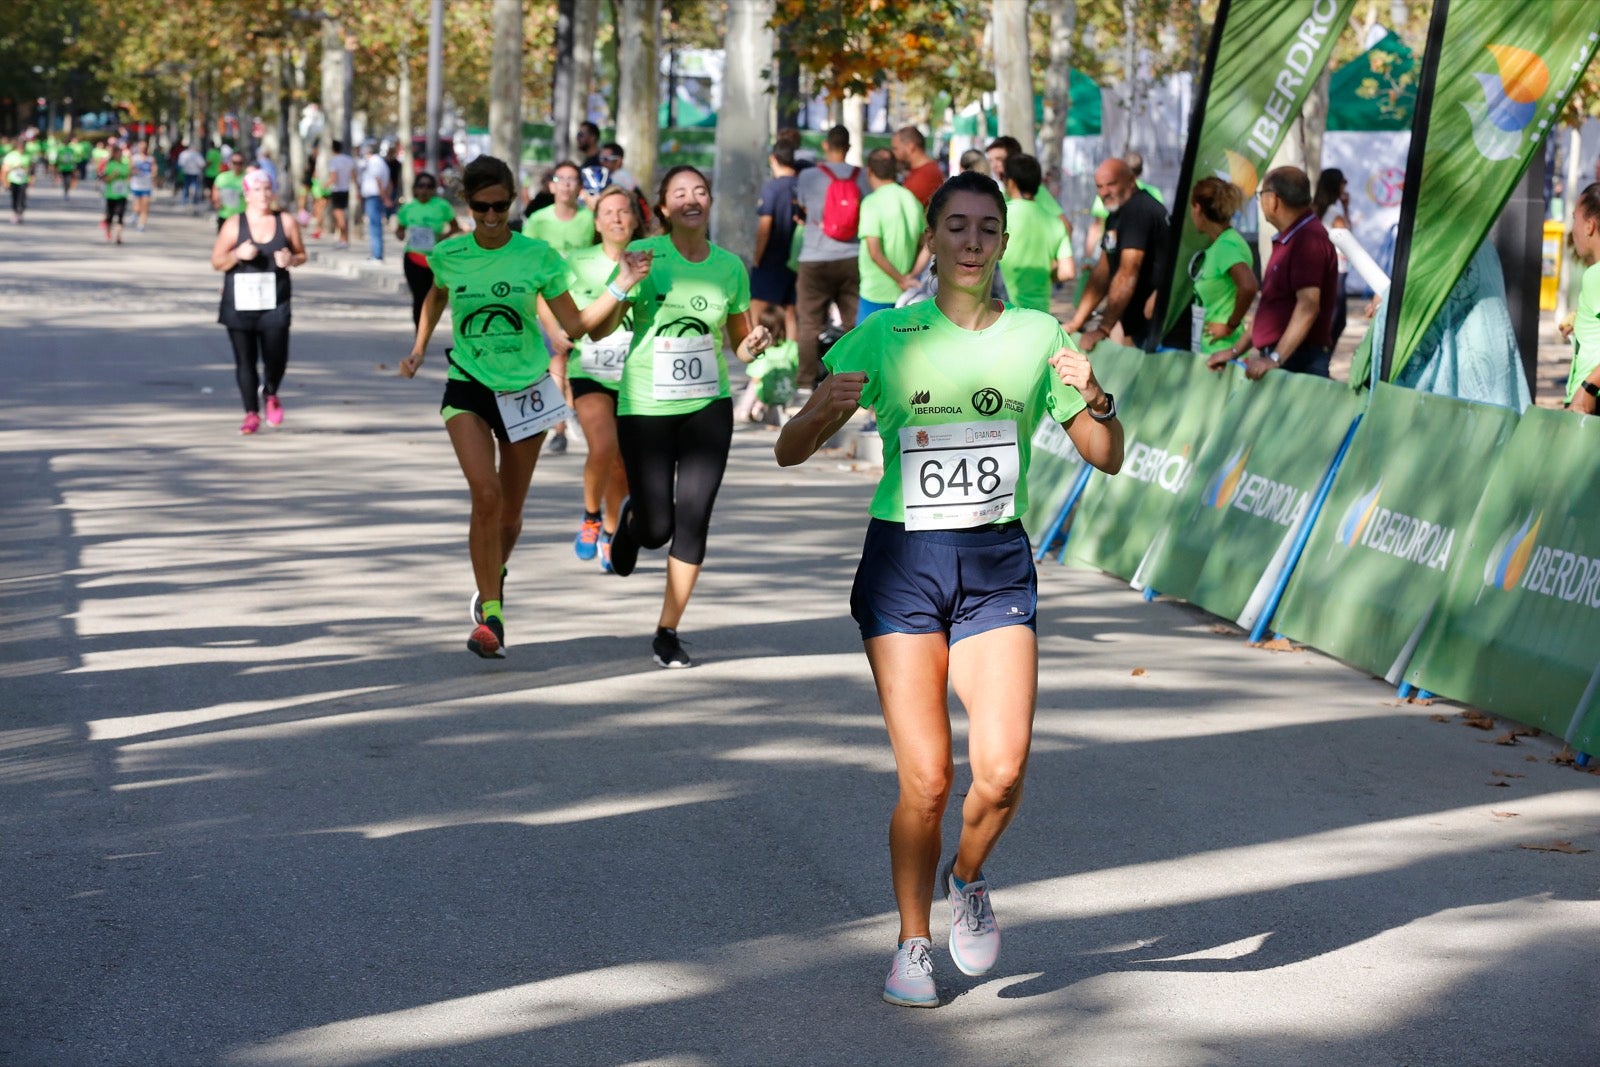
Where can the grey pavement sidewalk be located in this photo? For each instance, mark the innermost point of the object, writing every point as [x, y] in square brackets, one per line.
[262, 808]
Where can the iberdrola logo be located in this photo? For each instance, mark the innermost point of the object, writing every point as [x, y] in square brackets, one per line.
[1510, 101]
[1359, 515]
[1510, 555]
[1220, 489]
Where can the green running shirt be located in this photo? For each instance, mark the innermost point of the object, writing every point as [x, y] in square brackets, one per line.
[1214, 289]
[564, 237]
[591, 271]
[494, 316]
[1585, 331]
[230, 195]
[115, 175]
[925, 371]
[1035, 239]
[893, 215]
[435, 217]
[676, 365]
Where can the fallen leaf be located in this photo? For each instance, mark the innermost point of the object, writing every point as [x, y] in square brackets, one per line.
[1507, 774]
[1531, 758]
[1564, 758]
[1436, 717]
[1507, 738]
[1477, 720]
[383, 366]
[1279, 644]
[1139, 672]
[1225, 630]
[1421, 702]
[1503, 814]
[1556, 846]
[1502, 785]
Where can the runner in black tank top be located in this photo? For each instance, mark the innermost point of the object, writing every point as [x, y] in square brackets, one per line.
[255, 296]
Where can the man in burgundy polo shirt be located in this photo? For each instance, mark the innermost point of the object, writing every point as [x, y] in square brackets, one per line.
[923, 176]
[1293, 327]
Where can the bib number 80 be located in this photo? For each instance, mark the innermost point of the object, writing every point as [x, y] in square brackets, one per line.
[688, 370]
[935, 480]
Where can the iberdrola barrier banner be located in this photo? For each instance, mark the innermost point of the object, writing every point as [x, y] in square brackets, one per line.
[1056, 464]
[1265, 58]
[1393, 527]
[1505, 69]
[1168, 411]
[1518, 630]
[1230, 529]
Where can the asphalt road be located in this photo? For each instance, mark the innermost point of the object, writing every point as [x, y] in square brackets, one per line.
[262, 808]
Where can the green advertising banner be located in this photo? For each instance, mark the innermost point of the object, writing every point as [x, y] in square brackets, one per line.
[1518, 630]
[1230, 529]
[1268, 60]
[1055, 463]
[1505, 69]
[1168, 411]
[1380, 556]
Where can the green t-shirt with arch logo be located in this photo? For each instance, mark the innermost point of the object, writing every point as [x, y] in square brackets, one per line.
[592, 269]
[924, 370]
[230, 195]
[678, 302]
[494, 315]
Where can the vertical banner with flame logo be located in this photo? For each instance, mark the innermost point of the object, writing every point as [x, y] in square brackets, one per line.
[1499, 71]
[1394, 527]
[1517, 630]
[1265, 58]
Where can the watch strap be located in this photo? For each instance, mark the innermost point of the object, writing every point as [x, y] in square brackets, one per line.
[1111, 411]
[1590, 388]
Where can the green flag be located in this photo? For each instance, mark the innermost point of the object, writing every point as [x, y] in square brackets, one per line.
[1505, 69]
[1266, 57]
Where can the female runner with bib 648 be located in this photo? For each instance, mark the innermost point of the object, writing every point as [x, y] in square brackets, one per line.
[501, 385]
[945, 592]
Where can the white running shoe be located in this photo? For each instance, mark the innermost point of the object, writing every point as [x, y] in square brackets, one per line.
[974, 935]
[910, 980]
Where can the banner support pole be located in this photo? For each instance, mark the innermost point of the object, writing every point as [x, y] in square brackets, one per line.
[1180, 202]
[1078, 485]
[1383, 362]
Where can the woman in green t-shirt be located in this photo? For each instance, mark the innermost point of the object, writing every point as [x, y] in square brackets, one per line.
[674, 409]
[115, 174]
[565, 224]
[594, 371]
[1224, 282]
[501, 386]
[1583, 380]
[945, 593]
[421, 223]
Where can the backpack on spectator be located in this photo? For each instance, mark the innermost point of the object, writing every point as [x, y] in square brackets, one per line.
[841, 211]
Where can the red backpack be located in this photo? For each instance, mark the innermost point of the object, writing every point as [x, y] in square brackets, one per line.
[841, 211]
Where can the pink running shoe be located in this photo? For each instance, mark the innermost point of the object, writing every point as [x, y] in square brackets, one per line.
[274, 411]
[252, 423]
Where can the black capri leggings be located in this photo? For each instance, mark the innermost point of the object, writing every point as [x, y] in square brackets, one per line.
[420, 279]
[675, 465]
[19, 197]
[269, 344]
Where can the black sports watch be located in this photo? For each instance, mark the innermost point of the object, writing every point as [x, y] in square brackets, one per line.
[1591, 388]
[1110, 414]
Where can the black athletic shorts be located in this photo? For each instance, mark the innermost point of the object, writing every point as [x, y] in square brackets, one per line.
[955, 582]
[586, 386]
[474, 398]
[340, 199]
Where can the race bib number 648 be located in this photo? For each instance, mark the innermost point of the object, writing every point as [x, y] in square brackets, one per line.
[959, 475]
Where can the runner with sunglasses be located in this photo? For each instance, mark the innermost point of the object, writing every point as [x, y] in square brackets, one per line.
[945, 593]
[502, 386]
[421, 223]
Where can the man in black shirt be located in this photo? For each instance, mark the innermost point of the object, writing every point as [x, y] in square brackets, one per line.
[1132, 247]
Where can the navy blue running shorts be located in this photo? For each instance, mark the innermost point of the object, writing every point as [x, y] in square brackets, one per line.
[954, 582]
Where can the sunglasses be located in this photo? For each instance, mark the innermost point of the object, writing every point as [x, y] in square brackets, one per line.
[483, 207]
